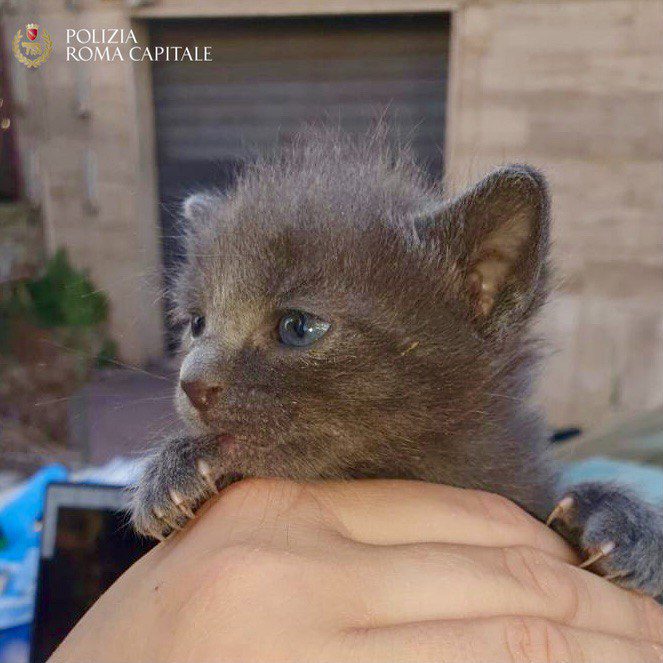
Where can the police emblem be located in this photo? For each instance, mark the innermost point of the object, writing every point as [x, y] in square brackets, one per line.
[36, 50]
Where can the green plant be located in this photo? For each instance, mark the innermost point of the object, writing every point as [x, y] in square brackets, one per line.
[65, 297]
[107, 355]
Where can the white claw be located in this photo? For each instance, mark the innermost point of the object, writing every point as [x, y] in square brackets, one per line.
[178, 500]
[617, 575]
[603, 550]
[206, 472]
[160, 515]
[176, 497]
[186, 511]
[562, 507]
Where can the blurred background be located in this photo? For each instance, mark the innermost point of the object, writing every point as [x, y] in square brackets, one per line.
[96, 156]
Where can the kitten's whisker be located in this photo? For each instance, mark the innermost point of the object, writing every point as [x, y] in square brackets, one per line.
[507, 397]
[409, 349]
[121, 364]
[138, 401]
[51, 401]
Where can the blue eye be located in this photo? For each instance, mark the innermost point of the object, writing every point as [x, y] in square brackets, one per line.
[299, 329]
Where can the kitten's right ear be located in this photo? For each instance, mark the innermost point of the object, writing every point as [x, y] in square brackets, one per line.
[198, 222]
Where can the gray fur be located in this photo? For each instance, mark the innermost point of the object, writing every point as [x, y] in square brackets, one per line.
[603, 514]
[427, 369]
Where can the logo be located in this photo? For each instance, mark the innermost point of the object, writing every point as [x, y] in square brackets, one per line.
[34, 52]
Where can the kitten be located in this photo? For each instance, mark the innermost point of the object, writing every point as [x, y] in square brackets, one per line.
[345, 320]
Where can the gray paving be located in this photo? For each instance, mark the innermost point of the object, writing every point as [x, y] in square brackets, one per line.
[122, 412]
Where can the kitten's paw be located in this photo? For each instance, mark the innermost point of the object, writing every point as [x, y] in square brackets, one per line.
[176, 481]
[620, 535]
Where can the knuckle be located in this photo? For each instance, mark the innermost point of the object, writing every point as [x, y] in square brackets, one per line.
[530, 640]
[538, 572]
[528, 566]
[500, 509]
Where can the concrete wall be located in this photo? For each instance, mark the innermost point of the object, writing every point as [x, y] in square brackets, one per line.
[573, 86]
[85, 147]
[576, 88]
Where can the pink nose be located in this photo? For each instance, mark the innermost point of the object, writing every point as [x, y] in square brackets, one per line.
[200, 393]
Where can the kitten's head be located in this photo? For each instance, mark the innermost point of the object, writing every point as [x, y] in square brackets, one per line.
[343, 318]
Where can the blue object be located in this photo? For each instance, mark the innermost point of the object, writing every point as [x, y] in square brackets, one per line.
[19, 558]
[19, 515]
[645, 480]
[15, 644]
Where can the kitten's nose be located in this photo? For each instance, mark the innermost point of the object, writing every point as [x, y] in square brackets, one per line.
[200, 393]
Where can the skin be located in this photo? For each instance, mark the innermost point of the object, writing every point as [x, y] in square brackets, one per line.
[369, 570]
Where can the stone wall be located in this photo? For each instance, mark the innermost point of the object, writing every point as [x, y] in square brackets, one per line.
[576, 88]
[21, 242]
[81, 140]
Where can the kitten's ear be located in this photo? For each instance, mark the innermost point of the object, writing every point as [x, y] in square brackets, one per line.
[198, 205]
[497, 233]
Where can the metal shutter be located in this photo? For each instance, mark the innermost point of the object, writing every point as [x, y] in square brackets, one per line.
[269, 76]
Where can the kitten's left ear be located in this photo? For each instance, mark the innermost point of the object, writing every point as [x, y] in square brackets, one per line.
[199, 205]
[498, 234]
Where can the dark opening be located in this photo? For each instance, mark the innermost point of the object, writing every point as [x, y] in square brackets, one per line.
[270, 76]
[9, 182]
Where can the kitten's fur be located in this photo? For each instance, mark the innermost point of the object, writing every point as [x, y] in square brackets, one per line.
[426, 371]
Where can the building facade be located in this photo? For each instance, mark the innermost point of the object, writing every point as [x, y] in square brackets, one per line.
[574, 87]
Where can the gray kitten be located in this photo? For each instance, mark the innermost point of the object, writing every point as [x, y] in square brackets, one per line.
[345, 320]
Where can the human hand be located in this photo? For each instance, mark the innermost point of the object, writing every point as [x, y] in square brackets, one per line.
[364, 571]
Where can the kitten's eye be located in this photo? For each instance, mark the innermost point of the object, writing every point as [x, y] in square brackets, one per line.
[299, 329]
[197, 325]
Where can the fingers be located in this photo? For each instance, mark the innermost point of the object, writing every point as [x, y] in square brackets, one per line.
[506, 639]
[472, 569]
[383, 512]
[426, 582]
[367, 511]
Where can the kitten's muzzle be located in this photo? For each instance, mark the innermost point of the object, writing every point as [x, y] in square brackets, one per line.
[202, 394]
